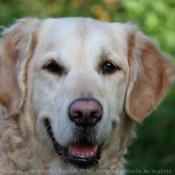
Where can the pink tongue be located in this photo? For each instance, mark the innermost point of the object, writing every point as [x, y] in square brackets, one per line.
[83, 148]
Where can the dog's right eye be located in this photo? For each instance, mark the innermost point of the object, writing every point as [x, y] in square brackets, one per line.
[53, 67]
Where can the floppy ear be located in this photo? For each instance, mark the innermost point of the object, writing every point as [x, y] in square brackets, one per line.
[151, 75]
[16, 48]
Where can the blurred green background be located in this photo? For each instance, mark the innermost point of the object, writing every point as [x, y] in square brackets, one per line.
[154, 148]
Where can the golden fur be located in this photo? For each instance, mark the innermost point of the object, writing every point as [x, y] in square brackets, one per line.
[27, 92]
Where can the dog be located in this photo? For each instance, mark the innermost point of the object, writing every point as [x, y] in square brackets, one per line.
[71, 90]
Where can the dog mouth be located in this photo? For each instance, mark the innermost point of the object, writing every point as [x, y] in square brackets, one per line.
[83, 155]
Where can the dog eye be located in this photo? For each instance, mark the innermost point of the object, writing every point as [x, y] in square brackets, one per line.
[109, 68]
[53, 67]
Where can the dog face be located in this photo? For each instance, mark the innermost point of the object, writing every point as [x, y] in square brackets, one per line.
[73, 78]
[77, 80]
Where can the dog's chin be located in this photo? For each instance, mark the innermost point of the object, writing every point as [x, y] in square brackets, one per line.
[82, 155]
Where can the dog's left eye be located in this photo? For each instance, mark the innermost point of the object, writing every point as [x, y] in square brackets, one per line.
[109, 68]
[53, 67]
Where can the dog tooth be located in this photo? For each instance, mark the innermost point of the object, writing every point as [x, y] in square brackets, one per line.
[78, 154]
[91, 153]
[83, 156]
[87, 155]
[74, 153]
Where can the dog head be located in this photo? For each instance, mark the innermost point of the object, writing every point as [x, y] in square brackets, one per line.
[77, 78]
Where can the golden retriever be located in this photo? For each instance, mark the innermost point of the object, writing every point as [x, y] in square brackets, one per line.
[70, 91]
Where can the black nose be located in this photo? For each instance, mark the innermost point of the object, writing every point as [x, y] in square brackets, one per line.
[85, 112]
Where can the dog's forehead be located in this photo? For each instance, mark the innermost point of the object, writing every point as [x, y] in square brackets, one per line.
[82, 38]
[68, 31]
[80, 27]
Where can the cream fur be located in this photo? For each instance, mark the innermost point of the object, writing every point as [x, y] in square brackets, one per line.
[29, 93]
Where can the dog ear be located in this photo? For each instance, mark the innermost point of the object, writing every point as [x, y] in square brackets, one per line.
[151, 75]
[16, 48]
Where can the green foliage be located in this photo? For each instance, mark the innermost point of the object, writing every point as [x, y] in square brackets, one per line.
[155, 146]
[156, 18]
